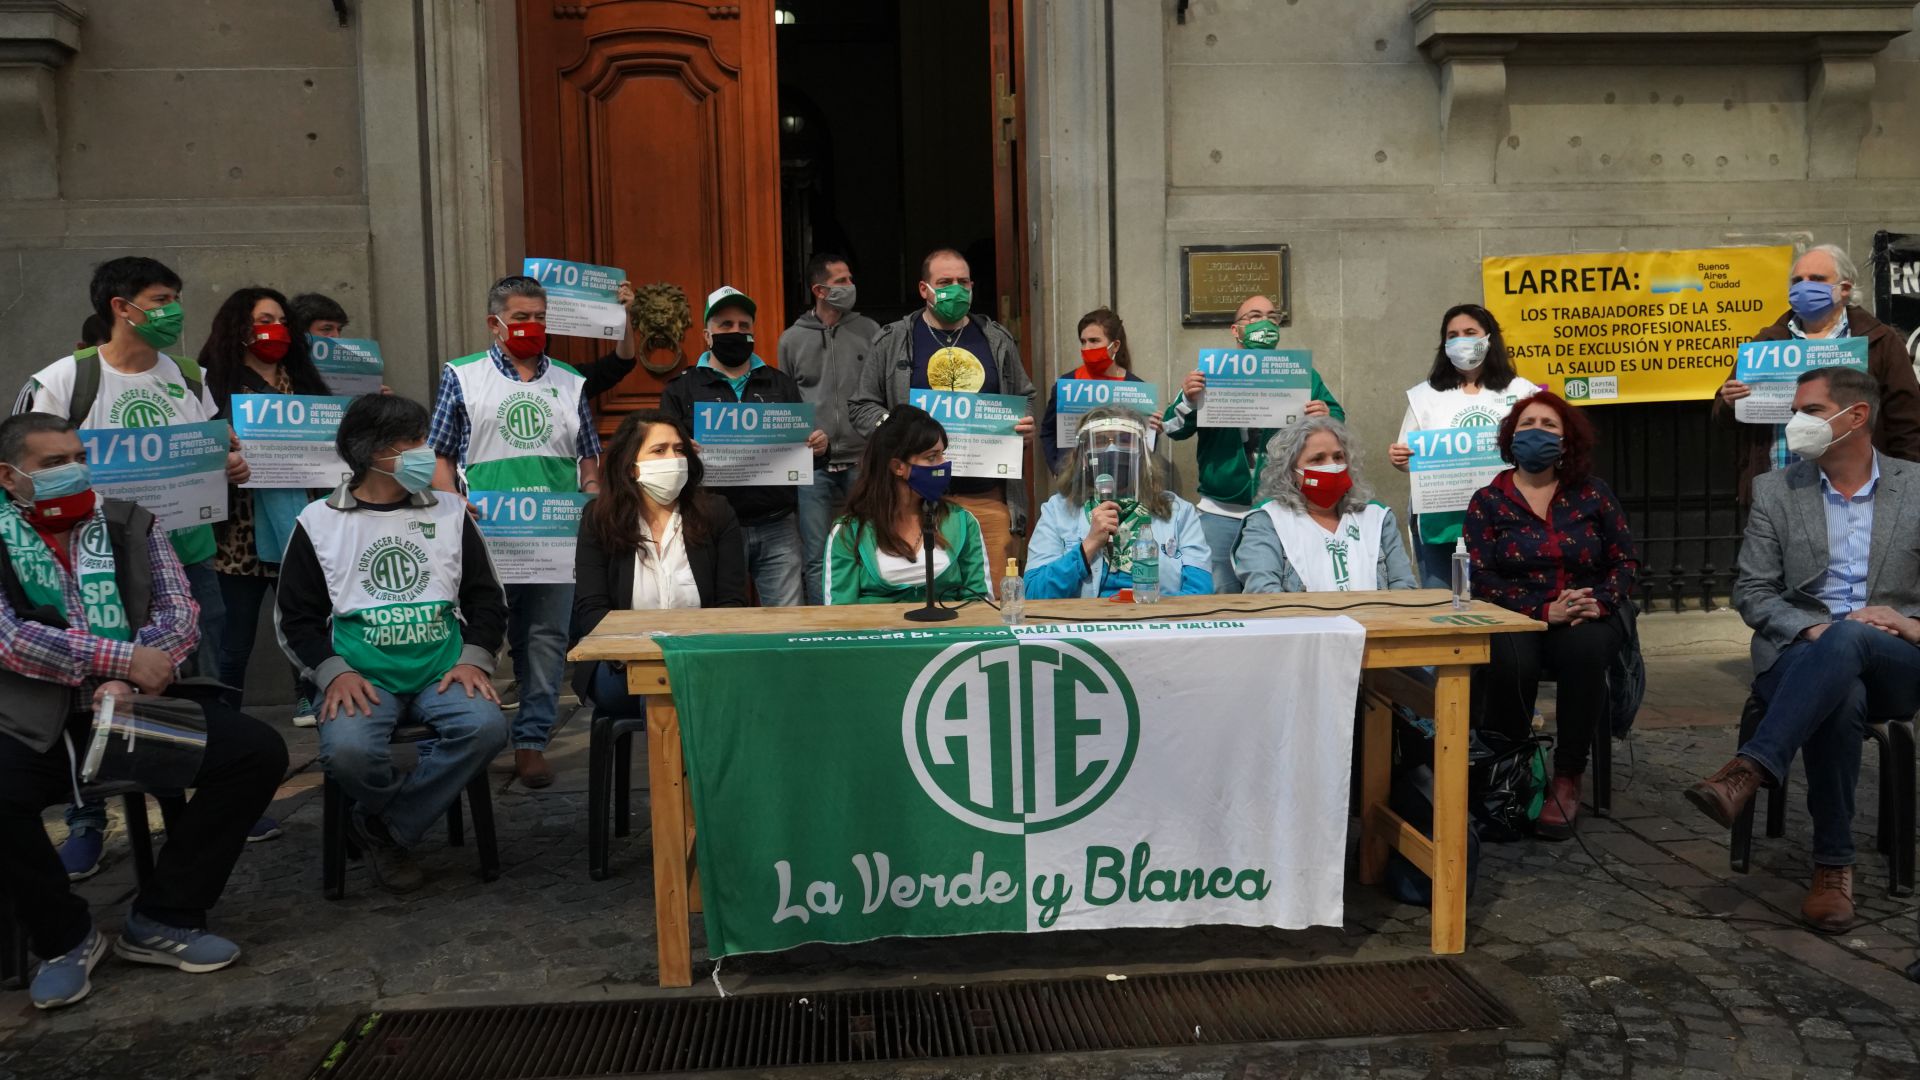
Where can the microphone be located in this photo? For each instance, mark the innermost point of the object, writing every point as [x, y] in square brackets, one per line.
[1104, 489]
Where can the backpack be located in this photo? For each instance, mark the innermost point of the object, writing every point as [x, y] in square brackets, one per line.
[86, 383]
[1626, 674]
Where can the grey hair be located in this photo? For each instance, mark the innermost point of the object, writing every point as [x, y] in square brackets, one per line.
[1847, 387]
[513, 285]
[1842, 262]
[15, 430]
[1073, 476]
[1277, 481]
[375, 422]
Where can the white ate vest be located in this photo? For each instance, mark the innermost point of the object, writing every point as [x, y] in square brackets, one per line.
[521, 436]
[1344, 560]
[394, 579]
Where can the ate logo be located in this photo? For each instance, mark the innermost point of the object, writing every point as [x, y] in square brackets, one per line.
[1576, 390]
[526, 421]
[394, 569]
[1020, 737]
[141, 408]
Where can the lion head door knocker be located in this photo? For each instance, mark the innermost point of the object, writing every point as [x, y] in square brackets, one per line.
[660, 318]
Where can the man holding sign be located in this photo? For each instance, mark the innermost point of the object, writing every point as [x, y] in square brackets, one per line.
[730, 372]
[1230, 458]
[513, 419]
[1820, 303]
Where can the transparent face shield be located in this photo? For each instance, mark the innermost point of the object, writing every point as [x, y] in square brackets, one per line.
[1113, 455]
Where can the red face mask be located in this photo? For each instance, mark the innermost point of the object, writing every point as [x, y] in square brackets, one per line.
[1096, 361]
[525, 340]
[61, 514]
[270, 342]
[1324, 486]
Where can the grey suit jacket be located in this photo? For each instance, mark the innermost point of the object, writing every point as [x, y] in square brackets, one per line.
[1784, 556]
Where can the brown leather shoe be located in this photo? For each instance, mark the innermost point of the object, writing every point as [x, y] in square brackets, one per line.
[1724, 794]
[532, 768]
[1560, 809]
[1828, 907]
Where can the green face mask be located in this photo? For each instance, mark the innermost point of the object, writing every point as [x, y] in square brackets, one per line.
[162, 327]
[1260, 335]
[950, 302]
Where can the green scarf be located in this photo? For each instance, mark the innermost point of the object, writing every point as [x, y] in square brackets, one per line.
[1133, 518]
[41, 576]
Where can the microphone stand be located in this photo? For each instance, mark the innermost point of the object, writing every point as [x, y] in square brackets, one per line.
[931, 612]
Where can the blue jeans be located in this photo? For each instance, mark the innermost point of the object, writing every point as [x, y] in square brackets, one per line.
[1222, 533]
[773, 558]
[204, 581]
[356, 753]
[610, 694]
[1436, 563]
[818, 503]
[537, 621]
[243, 593]
[1819, 695]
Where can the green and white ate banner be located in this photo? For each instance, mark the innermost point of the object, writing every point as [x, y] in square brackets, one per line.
[971, 780]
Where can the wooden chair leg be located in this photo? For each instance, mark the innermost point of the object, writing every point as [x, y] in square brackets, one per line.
[333, 840]
[623, 784]
[480, 800]
[599, 794]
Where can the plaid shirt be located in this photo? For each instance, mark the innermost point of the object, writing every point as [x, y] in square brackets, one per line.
[1781, 457]
[77, 657]
[451, 428]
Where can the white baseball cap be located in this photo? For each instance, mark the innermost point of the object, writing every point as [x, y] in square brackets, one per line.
[727, 294]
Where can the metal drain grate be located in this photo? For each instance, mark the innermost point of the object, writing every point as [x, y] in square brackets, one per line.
[754, 1031]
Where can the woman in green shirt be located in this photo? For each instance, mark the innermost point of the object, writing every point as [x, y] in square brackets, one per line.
[874, 554]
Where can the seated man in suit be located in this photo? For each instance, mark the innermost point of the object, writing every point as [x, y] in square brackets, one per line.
[93, 601]
[1830, 583]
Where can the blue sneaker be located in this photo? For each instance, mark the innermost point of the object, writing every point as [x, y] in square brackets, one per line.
[63, 979]
[264, 829]
[144, 941]
[80, 854]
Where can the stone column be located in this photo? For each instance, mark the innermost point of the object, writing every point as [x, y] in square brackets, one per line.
[1068, 172]
[37, 37]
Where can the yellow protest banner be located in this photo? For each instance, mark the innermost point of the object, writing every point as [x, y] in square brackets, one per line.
[1622, 326]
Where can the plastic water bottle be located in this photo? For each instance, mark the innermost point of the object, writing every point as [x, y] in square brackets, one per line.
[1462, 575]
[1013, 595]
[1146, 569]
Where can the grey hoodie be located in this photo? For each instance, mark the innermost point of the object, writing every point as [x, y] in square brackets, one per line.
[826, 362]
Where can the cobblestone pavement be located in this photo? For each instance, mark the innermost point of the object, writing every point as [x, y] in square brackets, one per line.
[1636, 953]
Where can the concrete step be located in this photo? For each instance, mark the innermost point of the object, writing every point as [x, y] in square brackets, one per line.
[1693, 633]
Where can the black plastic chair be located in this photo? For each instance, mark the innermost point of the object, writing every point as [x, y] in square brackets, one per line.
[1897, 795]
[609, 784]
[336, 846]
[13, 932]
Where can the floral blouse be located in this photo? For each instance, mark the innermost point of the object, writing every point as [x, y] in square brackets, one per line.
[1523, 563]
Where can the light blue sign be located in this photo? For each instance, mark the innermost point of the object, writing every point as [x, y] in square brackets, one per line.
[1772, 370]
[1450, 464]
[1255, 388]
[583, 300]
[531, 534]
[754, 443]
[1074, 398]
[288, 439]
[351, 366]
[980, 438]
[178, 473]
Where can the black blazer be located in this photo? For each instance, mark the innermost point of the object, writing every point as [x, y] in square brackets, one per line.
[603, 581]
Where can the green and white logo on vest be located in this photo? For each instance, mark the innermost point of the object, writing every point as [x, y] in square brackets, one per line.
[1477, 416]
[141, 408]
[526, 420]
[394, 570]
[1337, 551]
[1020, 737]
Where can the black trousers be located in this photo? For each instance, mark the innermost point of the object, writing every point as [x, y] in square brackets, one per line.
[1578, 656]
[245, 762]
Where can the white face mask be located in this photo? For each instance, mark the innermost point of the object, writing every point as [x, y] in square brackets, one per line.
[662, 478]
[1810, 436]
[1466, 353]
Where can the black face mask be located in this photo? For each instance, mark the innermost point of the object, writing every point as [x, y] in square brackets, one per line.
[732, 350]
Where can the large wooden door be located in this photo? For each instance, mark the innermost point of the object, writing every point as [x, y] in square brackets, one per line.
[651, 139]
[1007, 55]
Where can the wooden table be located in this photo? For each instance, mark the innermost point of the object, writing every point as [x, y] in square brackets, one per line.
[1404, 630]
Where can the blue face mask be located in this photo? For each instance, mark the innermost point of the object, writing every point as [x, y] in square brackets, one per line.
[929, 481]
[61, 481]
[415, 469]
[1811, 300]
[1536, 449]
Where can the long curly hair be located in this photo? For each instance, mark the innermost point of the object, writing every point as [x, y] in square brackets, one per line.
[224, 356]
[614, 517]
[1277, 481]
[1576, 436]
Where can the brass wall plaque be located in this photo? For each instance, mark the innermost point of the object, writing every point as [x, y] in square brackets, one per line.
[1216, 278]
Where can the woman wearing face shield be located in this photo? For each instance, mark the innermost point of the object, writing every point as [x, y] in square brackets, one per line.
[876, 554]
[1109, 493]
[1316, 528]
[1472, 385]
